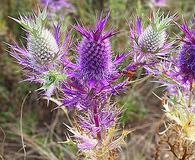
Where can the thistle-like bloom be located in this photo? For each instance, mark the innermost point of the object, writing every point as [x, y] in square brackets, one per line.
[177, 73]
[108, 149]
[186, 57]
[150, 43]
[94, 64]
[42, 58]
[58, 6]
[42, 46]
[159, 3]
[180, 67]
[88, 140]
[95, 52]
[94, 72]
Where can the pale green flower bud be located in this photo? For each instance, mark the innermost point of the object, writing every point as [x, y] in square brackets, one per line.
[43, 46]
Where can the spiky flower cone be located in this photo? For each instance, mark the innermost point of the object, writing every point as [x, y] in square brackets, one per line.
[43, 46]
[153, 38]
[41, 43]
[95, 58]
[95, 52]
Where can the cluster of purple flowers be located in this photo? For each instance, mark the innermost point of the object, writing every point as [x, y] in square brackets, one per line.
[58, 7]
[186, 58]
[93, 80]
[88, 82]
[86, 85]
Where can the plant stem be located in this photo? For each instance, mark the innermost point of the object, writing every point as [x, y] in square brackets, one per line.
[190, 96]
[96, 119]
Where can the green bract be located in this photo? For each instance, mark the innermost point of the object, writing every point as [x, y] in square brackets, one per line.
[52, 77]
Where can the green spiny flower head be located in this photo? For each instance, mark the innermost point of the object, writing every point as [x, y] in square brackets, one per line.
[43, 59]
[153, 38]
[42, 45]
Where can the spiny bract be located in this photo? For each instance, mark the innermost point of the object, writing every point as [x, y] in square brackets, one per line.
[42, 58]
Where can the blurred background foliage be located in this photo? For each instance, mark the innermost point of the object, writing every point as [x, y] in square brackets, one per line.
[42, 129]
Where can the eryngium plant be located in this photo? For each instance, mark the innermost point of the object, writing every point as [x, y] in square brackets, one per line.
[43, 56]
[88, 92]
[183, 101]
[93, 75]
[95, 52]
[153, 38]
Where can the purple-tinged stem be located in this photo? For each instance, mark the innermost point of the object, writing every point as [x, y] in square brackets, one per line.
[190, 96]
[96, 119]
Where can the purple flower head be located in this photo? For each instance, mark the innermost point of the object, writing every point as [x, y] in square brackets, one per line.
[42, 58]
[98, 129]
[95, 54]
[87, 142]
[91, 83]
[169, 74]
[56, 5]
[186, 57]
[159, 3]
